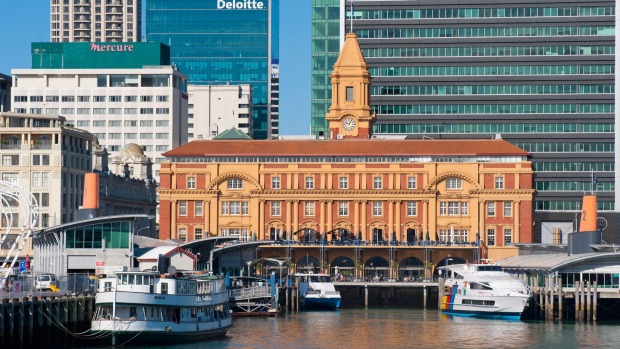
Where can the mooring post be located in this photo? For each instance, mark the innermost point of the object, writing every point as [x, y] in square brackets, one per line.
[541, 297]
[577, 305]
[588, 301]
[425, 295]
[20, 313]
[594, 301]
[560, 299]
[365, 295]
[552, 300]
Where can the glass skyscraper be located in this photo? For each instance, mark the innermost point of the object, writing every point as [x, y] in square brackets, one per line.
[219, 42]
[540, 75]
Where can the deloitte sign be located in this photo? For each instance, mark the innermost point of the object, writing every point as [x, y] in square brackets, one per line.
[240, 5]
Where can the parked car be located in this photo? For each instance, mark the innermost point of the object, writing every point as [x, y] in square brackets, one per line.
[46, 282]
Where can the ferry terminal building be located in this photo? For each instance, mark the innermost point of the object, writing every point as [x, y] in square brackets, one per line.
[381, 191]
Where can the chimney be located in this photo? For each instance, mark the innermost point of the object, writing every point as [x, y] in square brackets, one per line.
[588, 213]
[91, 191]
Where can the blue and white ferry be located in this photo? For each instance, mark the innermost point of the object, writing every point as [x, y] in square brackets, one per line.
[484, 290]
[316, 291]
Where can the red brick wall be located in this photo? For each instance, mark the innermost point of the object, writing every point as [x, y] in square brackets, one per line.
[526, 217]
[164, 219]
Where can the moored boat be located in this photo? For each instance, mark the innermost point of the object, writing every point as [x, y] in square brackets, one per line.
[133, 306]
[316, 291]
[484, 290]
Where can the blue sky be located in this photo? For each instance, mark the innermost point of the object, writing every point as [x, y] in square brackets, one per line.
[26, 21]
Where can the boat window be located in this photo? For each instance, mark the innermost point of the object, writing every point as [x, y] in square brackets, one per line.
[124, 279]
[477, 286]
[132, 279]
[164, 287]
[489, 268]
[108, 286]
[478, 302]
[139, 280]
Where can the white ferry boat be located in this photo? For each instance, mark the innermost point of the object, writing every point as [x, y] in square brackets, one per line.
[134, 306]
[484, 290]
[316, 291]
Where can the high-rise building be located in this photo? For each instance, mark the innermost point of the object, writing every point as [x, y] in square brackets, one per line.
[5, 93]
[539, 75]
[218, 42]
[121, 92]
[95, 20]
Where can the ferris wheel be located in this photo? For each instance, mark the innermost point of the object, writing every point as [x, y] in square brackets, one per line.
[19, 209]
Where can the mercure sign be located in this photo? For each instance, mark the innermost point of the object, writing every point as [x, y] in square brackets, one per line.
[240, 5]
[108, 47]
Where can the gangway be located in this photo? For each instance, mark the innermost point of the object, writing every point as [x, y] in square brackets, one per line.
[11, 196]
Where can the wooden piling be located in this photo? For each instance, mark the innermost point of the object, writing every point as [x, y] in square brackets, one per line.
[577, 301]
[594, 301]
[425, 290]
[588, 301]
[551, 301]
[440, 292]
[541, 298]
[365, 295]
[582, 301]
[560, 299]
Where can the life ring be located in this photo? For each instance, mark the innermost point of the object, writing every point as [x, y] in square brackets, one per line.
[464, 283]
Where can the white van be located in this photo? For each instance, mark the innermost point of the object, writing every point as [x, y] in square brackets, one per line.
[45, 282]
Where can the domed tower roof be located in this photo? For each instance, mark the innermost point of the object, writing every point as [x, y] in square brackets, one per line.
[133, 149]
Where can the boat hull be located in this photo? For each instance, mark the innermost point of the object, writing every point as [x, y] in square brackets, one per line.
[329, 303]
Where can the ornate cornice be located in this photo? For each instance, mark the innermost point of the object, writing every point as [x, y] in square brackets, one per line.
[452, 175]
[187, 192]
[345, 192]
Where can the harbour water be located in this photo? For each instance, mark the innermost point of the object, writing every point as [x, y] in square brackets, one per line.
[406, 328]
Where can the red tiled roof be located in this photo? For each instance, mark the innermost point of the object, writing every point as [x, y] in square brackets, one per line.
[344, 147]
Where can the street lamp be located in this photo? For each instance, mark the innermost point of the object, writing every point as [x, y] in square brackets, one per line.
[248, 263]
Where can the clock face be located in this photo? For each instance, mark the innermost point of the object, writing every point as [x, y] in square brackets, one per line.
[348, 124]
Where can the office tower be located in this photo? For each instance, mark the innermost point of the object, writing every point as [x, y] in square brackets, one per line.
[5, 92]
[122, 93]
[224, 42]
[539, 75]
[95, 20]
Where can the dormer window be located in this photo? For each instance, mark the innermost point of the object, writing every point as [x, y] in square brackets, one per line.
[349, 93]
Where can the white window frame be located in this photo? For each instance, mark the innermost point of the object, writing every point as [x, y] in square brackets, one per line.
[276, 208]
[235, 183]
[377, 182]
[491, 209]
[183, 208]
[275, 182]
[443, 208]
[499, 182]
[343, 182]
[309, 182]
[183, 234]
[245, 208]
[507, 236]
[412, 208]
[507, 208]
[377, 208]
[490, 237]
[343, 208]
[453, 208]
[191, 182]
[464, 208]
[225, 208]
[309, 208]
[454, 183]
[198, 233]
[198, 208]
[235, 208]
[412, 182]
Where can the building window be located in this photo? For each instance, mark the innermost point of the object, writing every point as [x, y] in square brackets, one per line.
[343, 208]
[378, 183]
[453, 208]
[245, 208]
[454, 183]
[499, 182]
[36, 179]
[235, 183]
[275, 208]
[198, 233]
[464, 208]
[412, 208]
[377, 208]
[349, 93]
[491, 237]
[45, 199]
[235, 208]
[183, 234]
[507, 209]
[191, 182]
[412, 182]
[10, 160]
[275, 182]
[198, 208]
[11, 177]
[309, 182]
[45, 179]
[443, 208]
[309, 208]
[224, 208]
[344, 183]
[507, 236]
[182, 208]
[491, 209]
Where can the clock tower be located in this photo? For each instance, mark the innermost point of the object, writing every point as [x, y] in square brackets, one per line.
[350, 115]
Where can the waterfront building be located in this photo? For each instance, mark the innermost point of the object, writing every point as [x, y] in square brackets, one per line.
[95, 20]
[121, 92]
[46, 156]
[212, 109]
[540, 74]
[448, 191]
[219, 42]
[5, 93]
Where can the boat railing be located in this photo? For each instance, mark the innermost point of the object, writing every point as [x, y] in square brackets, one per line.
[249, 292]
